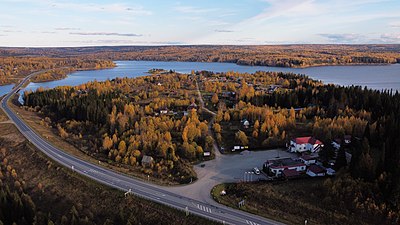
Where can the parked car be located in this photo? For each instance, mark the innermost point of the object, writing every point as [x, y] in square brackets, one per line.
[256, 170]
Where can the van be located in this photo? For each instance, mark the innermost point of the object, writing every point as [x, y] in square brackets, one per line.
[256, 170]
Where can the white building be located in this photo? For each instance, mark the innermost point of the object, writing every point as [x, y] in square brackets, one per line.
[277, 166]
[304, 144]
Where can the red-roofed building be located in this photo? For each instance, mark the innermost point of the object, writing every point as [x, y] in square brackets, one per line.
[303, 144]
[316, 171]
[277, 166]
[290, 174]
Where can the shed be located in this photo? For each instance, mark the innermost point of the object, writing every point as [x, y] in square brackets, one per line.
[147, 161]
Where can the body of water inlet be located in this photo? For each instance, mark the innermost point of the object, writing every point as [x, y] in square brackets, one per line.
[374, 77]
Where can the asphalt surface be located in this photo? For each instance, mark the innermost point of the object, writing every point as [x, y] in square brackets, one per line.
[212, 211]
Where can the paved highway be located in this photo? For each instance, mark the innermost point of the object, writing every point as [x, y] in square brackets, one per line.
[216, 212]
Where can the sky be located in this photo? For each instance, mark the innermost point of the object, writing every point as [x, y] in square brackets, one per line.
[59, 23]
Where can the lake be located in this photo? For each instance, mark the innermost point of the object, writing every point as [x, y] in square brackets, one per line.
[374, 77]
[5, 89]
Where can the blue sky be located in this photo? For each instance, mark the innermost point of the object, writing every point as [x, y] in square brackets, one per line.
[169, 22]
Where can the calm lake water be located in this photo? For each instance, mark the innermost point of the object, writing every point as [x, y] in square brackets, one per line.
[5, 89]
[374, 77]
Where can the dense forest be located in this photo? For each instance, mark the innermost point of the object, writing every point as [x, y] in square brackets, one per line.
[297, 106]
[125, 119]
[35, 190]
[261, 55]
[14, 68]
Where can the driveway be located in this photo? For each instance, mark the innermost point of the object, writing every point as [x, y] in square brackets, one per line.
[223, 169]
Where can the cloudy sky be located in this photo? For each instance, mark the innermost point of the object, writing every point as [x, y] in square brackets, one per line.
[170, 22]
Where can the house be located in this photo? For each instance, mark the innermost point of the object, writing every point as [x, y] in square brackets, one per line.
[316, 171]
[330, 172]
[291, 174]
[192, 106]
[238, 147]
[347, 139]
[338, 142]
[303, 144]
[308, 159]
[147, 161]
[245, 123]
[277, 166]
[164, 111]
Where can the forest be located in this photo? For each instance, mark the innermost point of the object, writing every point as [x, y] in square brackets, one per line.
[36, 190]
[14, 68]
[260, 55]
[123, 120]
[370, 184]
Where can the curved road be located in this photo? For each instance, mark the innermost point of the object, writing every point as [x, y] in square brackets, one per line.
[213, 211]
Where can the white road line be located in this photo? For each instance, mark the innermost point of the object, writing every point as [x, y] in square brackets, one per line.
[204, 208]
[251, 223]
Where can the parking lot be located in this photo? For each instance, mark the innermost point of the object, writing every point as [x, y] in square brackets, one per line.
[227, 168]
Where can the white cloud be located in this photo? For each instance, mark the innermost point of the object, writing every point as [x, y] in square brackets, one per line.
[390, 38]
[106, 34]
[109, 8]
[344, 38]
[193, 10]
[66, 28]
[395, 24]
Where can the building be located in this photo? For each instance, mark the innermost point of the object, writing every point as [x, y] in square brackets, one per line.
[330, 172]
[291, 174]
[147, 161]
[164, 111]
[339, 142]
[245, 123]
[277, 166]
[309, 159]
[192, 106]
[316, 171]
[304, 144]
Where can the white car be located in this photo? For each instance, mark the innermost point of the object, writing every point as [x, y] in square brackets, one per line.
[256, 170]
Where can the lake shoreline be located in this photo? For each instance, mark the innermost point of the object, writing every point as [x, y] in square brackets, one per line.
[376, 77]
[282, 67]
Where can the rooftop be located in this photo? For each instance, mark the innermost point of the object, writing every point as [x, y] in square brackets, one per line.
[316, 169]
[305, 140]
[283, 162]
[291, 173]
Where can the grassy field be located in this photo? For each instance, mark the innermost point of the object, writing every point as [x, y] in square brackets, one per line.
[55, 189]
[33, 119]
[3, 116]
[291, 202]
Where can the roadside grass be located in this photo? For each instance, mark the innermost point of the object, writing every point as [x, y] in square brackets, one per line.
[33, 119]
[3, 116]
[56, 189]
[290, 202]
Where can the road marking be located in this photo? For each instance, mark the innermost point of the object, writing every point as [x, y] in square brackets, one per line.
[93, 171]
[204, 208]
[251, 223]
